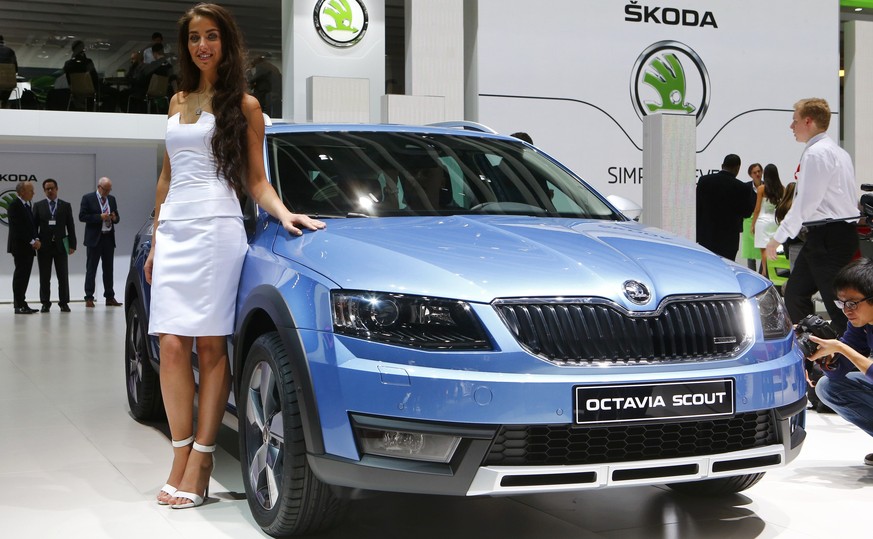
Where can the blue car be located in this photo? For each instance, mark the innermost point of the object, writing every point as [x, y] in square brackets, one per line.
[476, 320]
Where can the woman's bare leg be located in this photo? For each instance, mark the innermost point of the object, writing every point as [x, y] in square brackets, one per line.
[177, 390]
[214, 390]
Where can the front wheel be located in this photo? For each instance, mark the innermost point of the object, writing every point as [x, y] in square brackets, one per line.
[143, 384]
[722, 486]
[284, 496]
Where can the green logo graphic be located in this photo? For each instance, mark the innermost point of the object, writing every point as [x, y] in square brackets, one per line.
[341, 23]
[669, 81]
[669, 77]
[341, 13]
[6, 199]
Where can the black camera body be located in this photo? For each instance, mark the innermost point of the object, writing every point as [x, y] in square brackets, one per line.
[812, 325]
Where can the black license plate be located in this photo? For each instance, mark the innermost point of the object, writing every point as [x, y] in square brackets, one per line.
[663, 402]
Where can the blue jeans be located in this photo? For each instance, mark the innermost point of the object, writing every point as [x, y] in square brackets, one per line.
[851, 397]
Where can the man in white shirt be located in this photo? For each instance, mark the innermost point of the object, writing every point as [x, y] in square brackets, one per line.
[148, 55]
[826, 189]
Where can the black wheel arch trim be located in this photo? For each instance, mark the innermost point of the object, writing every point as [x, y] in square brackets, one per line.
[268, 300]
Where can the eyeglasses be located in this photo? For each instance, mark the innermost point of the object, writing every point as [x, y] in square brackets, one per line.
[850, 305]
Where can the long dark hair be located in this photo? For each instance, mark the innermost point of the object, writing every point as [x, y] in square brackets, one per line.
[773, 189]
[230, 139]
[785, 204]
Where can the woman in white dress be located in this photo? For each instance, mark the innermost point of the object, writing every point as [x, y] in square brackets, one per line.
[215, 138]
[764, 217]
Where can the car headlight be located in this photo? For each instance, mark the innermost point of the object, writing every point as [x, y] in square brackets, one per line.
[404, 320]
[774, 315]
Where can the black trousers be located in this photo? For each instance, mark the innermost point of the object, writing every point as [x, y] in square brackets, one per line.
[21, 278]
[828, 248]
[48, 255]
[101, 253]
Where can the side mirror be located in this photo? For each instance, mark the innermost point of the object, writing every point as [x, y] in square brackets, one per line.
[629, 208]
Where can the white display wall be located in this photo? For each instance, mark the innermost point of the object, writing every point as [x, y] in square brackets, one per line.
[131, 160]
[572, 72]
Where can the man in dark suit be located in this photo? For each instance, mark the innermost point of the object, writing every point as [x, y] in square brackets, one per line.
[723, 201]
[57, 234]
[99, 212]
[22, 244]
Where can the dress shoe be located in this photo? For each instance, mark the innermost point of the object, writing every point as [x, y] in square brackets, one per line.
[112, 303]
[89, 303]
[24, 310]
[45, 307]
[64, 308]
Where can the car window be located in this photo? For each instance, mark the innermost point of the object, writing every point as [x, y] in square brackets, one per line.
[339, 174]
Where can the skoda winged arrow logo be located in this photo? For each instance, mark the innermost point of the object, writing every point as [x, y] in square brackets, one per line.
[669, 77]
[341, 23]
[6, 198]
[637, 292]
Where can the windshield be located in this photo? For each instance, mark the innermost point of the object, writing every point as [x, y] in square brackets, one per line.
[345, 174]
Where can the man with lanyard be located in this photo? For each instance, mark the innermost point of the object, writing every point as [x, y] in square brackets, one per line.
[99, 212]
[57, 233]
[825, 190]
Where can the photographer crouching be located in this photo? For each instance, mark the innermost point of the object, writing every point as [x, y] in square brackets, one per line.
[847, 391]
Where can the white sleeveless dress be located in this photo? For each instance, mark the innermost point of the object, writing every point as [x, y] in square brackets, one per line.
[200, 242]
[766, 224]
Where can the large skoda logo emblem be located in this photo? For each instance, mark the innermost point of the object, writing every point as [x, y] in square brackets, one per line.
[341, 23]
[637, 292]
[670, 78]
[6, 198]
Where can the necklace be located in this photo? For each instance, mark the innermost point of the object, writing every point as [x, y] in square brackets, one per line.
[199, 110]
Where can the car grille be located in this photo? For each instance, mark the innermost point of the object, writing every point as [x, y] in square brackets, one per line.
[517, 445]
[593, 333]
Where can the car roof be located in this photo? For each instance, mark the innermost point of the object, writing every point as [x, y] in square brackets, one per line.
[463, 129]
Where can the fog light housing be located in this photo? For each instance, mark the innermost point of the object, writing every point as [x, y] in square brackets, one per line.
[408, 445]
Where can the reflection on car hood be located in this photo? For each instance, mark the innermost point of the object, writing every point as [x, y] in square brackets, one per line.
[481, 258]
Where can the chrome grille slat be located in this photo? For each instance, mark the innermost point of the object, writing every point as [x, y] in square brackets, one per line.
[588, 332]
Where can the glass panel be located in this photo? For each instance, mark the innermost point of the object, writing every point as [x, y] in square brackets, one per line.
[339, 174]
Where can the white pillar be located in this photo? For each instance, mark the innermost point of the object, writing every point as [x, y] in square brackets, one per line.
[305, 54]
[669, 176]
[857, 113]
[435, 52]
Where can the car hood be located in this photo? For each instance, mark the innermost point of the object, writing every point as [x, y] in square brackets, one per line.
[482, 258]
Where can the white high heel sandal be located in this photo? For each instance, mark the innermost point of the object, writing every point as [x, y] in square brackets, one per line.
[196, 499]
[169, 489]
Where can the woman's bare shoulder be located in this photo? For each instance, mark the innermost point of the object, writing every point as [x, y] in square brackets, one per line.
[176, 102]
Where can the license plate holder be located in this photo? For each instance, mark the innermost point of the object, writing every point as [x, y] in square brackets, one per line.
[663, 402]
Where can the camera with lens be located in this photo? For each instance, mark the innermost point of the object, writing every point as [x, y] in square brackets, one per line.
[866, 202]
[814, 325]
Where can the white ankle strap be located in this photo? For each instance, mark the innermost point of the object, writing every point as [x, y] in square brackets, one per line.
[183, 443]
[204, 448]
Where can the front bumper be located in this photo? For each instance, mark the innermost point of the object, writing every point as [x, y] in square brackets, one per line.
[466, 475]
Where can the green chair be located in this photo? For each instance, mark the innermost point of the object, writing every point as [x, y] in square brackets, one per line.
[773, 267]
[747, 245]
[41, 86]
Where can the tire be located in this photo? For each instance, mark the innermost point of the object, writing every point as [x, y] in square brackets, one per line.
[718, 487]
[284, 496]
[143, 384]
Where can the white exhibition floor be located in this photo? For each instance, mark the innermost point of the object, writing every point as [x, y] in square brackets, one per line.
[73, 464]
